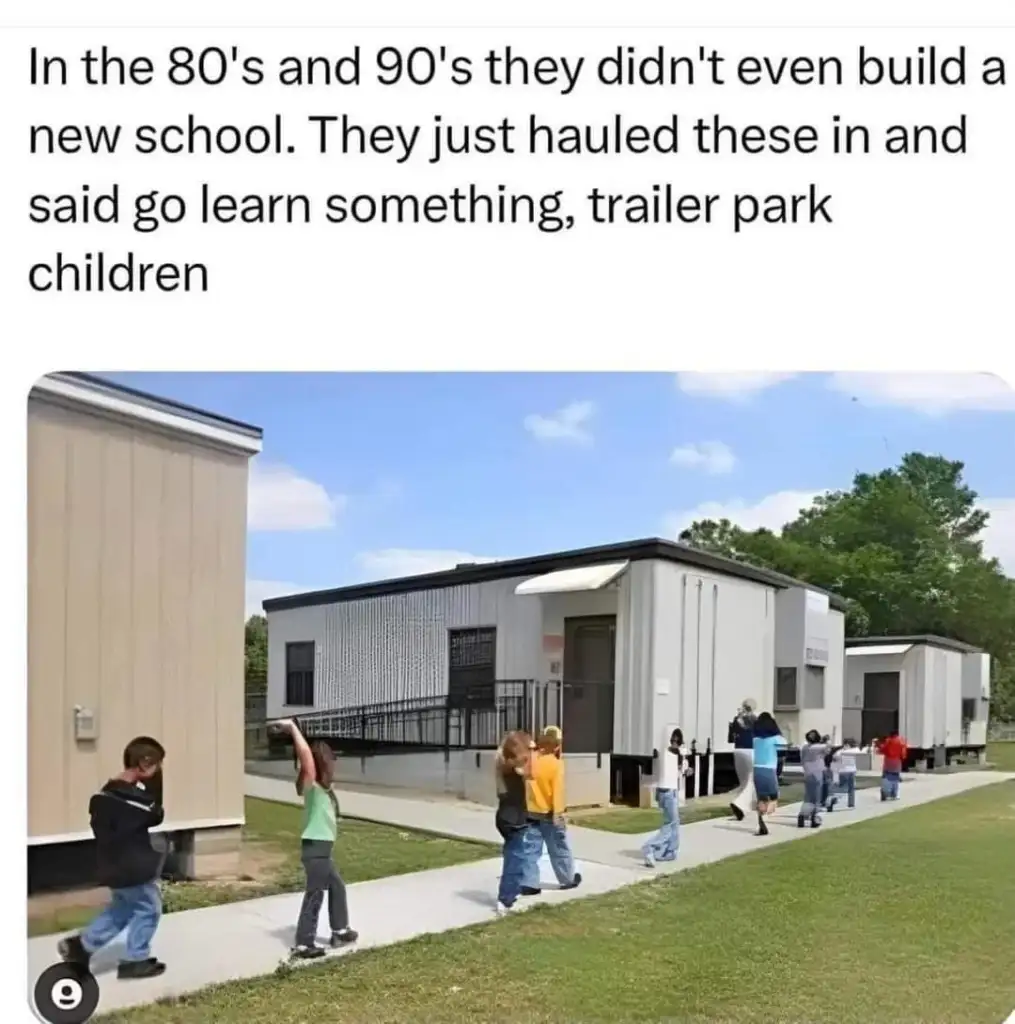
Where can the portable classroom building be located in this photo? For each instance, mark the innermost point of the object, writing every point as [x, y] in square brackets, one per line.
[137, 512]
[629, 639]
[935, 691]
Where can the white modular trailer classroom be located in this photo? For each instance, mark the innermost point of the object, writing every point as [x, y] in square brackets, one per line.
[637, 637]
[934, 690]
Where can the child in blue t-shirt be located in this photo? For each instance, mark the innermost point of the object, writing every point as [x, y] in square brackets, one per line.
[768, 740]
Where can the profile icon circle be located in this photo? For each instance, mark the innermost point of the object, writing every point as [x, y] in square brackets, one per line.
[66, 994]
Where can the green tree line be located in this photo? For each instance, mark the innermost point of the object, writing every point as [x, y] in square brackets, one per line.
[904, 547]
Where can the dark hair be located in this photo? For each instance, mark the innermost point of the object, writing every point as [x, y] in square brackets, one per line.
[143, 752]
[893, 732]
[324, 763]
[813, 736]
[849, 741]
[677, 738]
[766, 726]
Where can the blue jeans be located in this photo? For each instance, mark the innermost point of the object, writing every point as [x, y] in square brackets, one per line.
[557, 847]
[138, 909]
[812, 796]
[890, 785]
[513, 868]
[847, 785]
[665, 844]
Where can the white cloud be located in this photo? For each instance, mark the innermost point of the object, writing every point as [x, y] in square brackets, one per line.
[713, 457]
[772, 512]
[279, 498]
[934, 394]
[390, 563]
[568, 424]
[999, 537]
[733, 387]
[261, 590]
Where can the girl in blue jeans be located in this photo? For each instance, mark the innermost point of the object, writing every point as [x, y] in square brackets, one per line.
[512, 818]
[665, 844]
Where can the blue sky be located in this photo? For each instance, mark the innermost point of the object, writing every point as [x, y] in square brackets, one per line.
[367, 476]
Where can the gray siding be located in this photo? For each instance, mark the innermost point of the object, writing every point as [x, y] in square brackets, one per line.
[632, 700]
[396, 647]
[712, 642]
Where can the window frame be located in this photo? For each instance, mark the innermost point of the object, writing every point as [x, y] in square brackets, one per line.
[465, 693]
[776, 704]
[295, 678]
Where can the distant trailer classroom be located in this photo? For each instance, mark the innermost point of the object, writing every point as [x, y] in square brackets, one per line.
[414, 680]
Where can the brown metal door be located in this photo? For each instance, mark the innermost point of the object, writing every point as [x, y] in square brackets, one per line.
[590, 649]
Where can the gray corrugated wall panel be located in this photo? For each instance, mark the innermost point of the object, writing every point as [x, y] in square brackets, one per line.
[632, 717]
[395, 647]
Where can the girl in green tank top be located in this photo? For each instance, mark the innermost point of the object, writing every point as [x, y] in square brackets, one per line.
[320, 814]
[317, 840]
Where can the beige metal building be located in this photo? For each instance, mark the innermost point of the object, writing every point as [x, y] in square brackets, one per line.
[137, 518]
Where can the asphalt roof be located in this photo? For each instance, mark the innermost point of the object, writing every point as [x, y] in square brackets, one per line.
[632, 551]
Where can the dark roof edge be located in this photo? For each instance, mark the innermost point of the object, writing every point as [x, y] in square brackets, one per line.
[101, 384]
[929, 639]
[486, 572]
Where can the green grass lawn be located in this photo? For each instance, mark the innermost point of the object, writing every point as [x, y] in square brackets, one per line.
[1001, 754]
[909, 919]
[271, 862]
[637, 820]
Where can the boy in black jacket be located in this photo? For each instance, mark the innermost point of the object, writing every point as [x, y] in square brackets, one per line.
[122, 812]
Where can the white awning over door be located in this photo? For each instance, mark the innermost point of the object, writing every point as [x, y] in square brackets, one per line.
[567, 581]
[883, 650]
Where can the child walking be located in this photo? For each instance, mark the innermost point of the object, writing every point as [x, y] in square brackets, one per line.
[317, 847]
[512, 818]
[665, 844]
[846, 761]
[767, 742]
[894, 750]
[121, 813]
[813, 755]
[546, 806]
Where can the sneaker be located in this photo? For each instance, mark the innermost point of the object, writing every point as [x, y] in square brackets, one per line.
[343, 937]
[527, 890]
[815, 822]
[737, 813]
[503, 910]
[72, 951]
[762, 830]
[131, 970]
[307, 952]
[800, 821]
[650, 860]
[574, 883]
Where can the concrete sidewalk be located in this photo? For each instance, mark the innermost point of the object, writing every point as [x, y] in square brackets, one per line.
[245, 940]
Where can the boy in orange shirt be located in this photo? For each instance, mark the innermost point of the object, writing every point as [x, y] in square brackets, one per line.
[545, 802]
[894, 750]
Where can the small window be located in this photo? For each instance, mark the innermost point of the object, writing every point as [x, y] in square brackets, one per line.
[299, 674]
[785, 689]
[472, 657]
[968, 710]
[814, 688]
